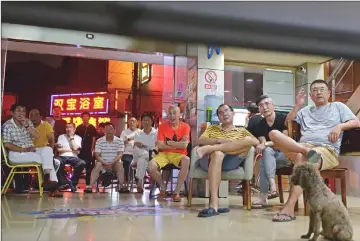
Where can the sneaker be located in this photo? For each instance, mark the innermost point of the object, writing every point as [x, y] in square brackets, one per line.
[176, 197]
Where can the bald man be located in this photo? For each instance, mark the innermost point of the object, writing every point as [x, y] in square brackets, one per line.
[172, 141]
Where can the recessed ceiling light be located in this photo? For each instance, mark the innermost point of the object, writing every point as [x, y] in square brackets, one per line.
[249, 80]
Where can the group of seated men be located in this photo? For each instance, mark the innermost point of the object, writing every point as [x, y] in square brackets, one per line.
[222, 147]
[55, 143]
[321, 126]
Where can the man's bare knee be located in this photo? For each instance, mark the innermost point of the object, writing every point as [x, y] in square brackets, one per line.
[274, 134]
[119, 166]
[153, 166]
[98, 165]
[217, 156]
[185, 161]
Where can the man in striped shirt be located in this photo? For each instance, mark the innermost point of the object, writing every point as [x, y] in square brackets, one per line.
[108, 152]
[223, 148]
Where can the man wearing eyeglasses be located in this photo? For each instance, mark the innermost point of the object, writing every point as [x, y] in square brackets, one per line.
[322, 129]
[222, 148]
[272, 158]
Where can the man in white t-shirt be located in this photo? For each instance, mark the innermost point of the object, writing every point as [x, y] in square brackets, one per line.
[128, 136]
[69, 146]
[108, 152]
[144, 142]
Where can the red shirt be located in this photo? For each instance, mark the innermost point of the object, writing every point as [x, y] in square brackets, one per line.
[166, 132]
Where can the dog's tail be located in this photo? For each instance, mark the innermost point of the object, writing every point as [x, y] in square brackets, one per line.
[341, 233]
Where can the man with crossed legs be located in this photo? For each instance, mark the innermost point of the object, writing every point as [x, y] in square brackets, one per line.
[227, 147]
[322, 129]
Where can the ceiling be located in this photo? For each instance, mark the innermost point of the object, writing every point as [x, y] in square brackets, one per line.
[34, 39]
[271, 57]
[231, 54]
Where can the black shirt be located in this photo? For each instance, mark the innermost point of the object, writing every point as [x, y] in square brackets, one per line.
[87, 134]
[263, 128]
[59, 128]
[252, 125]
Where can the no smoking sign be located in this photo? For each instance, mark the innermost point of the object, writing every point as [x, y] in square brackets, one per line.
[210, 77]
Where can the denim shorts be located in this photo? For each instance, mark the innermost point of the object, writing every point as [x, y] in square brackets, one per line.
[230, 162]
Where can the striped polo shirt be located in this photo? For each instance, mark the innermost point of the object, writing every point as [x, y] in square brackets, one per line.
[109, 150]
[217, 132]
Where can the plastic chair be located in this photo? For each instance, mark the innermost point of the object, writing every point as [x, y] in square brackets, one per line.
[14, 169]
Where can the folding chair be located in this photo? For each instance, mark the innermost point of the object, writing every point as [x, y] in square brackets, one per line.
[16, 169]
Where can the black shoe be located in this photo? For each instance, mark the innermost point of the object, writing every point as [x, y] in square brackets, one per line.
[88, 190]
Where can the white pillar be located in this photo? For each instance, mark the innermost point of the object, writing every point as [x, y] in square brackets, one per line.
[212, 68]
[209, 69]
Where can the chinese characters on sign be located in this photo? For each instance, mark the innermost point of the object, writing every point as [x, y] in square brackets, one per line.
[75, 104]
[95, 121]
[145, 73]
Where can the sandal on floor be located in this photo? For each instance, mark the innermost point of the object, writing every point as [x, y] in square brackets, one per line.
[273, 195]
[259, 206]
[223, 210]
[208, 212]
[288, 218]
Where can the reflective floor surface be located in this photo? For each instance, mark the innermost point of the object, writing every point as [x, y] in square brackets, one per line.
[110, 216]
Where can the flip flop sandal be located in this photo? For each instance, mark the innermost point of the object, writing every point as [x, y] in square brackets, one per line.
[223, 210]
[313, 156]
[272, 195]
[259, 206]
[124, 190]
[207, 213]
[287, 219]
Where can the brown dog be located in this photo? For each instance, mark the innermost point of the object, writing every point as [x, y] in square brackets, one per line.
[325, 208]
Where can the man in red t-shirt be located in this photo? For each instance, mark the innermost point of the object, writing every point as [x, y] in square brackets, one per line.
[172, 141]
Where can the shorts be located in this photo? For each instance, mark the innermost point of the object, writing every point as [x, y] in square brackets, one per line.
[230, 162]
[165, 158]
[328, 155]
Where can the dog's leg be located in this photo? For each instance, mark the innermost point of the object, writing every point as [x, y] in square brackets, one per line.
[311, 226]
[316, 227]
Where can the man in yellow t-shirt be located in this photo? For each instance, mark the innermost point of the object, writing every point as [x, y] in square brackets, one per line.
[45, 130]
[222, 148]
[46, 138]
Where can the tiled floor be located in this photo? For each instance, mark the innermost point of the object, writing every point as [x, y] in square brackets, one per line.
[172, 222]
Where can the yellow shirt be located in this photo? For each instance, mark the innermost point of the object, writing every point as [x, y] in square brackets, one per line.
[216, 132]
[44, 130]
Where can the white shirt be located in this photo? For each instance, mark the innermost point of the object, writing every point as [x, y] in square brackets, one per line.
[109, 150]
[62, 140]
[146, 139]
[126, 134]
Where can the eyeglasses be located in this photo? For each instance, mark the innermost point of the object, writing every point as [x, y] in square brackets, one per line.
[321, 90]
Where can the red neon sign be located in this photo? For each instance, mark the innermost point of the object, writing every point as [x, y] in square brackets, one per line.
[75, 104]
[95, 121]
